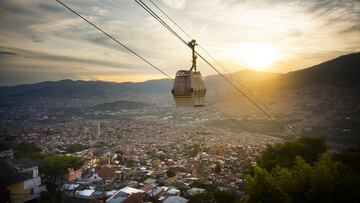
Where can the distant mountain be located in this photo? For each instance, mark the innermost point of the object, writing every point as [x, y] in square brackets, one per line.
[91, 89]
[341, 71]
[216, 83]
[84, 89]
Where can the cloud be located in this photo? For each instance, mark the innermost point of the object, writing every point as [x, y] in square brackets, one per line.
[50, 7]
[28, 54]
[351, 29]
[177, 4]
[43, 33]
[6, 53]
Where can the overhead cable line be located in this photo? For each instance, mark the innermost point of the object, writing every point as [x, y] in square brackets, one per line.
[152, 13]
[111, 37]
[213, 58]
[114, 39]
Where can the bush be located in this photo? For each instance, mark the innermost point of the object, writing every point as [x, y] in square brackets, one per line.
[307, 177]
[283, 155]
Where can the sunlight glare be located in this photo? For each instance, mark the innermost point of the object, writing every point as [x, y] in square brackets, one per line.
[257, 56]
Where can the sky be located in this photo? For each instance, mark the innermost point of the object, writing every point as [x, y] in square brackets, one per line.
[40, 40]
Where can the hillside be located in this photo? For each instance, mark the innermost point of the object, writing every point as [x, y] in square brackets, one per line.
[322, 100]
[342, 71]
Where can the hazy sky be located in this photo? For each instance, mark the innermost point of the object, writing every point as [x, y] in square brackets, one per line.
[40, 40]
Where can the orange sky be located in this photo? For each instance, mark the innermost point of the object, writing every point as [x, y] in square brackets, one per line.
[40, 40]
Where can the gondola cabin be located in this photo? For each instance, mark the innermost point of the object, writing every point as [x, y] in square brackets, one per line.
[188, 89]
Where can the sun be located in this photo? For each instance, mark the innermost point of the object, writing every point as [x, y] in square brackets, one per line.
[257, 56]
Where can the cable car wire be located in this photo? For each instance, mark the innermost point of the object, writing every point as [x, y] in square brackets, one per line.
[115, 40]
[152, 13]
[214, 59]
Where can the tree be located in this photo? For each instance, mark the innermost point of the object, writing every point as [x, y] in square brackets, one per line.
[217, 196]
[302, 179]
[27, 147]
[283, 154]
[55, 166]
[205, 197]
[75, 148]
[350, 158]
[223, 197]
[217, 168]
[170, 173]
[262, 187]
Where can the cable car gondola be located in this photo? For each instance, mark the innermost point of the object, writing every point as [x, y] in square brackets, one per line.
[189, 88]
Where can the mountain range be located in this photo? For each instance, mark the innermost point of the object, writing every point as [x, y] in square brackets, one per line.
[341, 71]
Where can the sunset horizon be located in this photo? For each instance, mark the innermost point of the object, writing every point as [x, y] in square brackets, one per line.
[53, 44]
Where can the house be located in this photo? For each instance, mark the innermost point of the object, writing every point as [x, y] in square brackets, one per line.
[152, 189]
[95, 178]
[173, 192]
[194, 191]
[73, 174]
[126, 195]
[107, 174]
[175, 199]
[21, 178]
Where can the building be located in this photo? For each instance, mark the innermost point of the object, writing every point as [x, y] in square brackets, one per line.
[21, 178]
[175, 199]
[73, 174]
[107, 174]
[96, 131]
[126, 195]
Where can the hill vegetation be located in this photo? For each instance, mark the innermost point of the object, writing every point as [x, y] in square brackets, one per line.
[302, 171]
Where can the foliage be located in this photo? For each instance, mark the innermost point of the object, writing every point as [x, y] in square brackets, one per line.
[200, 184]
[193, 152]
[217, 196]
[223, 196]
[303, 178]
[27, 149]
[170, 173]
[217, 168]
[205, 197]
[350, 158]
[283, 154]
[75, 148]
[130, 163]
[54, 166]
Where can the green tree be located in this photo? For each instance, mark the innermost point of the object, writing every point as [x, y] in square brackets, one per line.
[350, 158]
[170, 173]
[217, 168]
[305, 180]
[223, 196]
[283, 154]
[55, 166]
[262, 187]
[205, 197]
[75, 148]
[217, 196]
